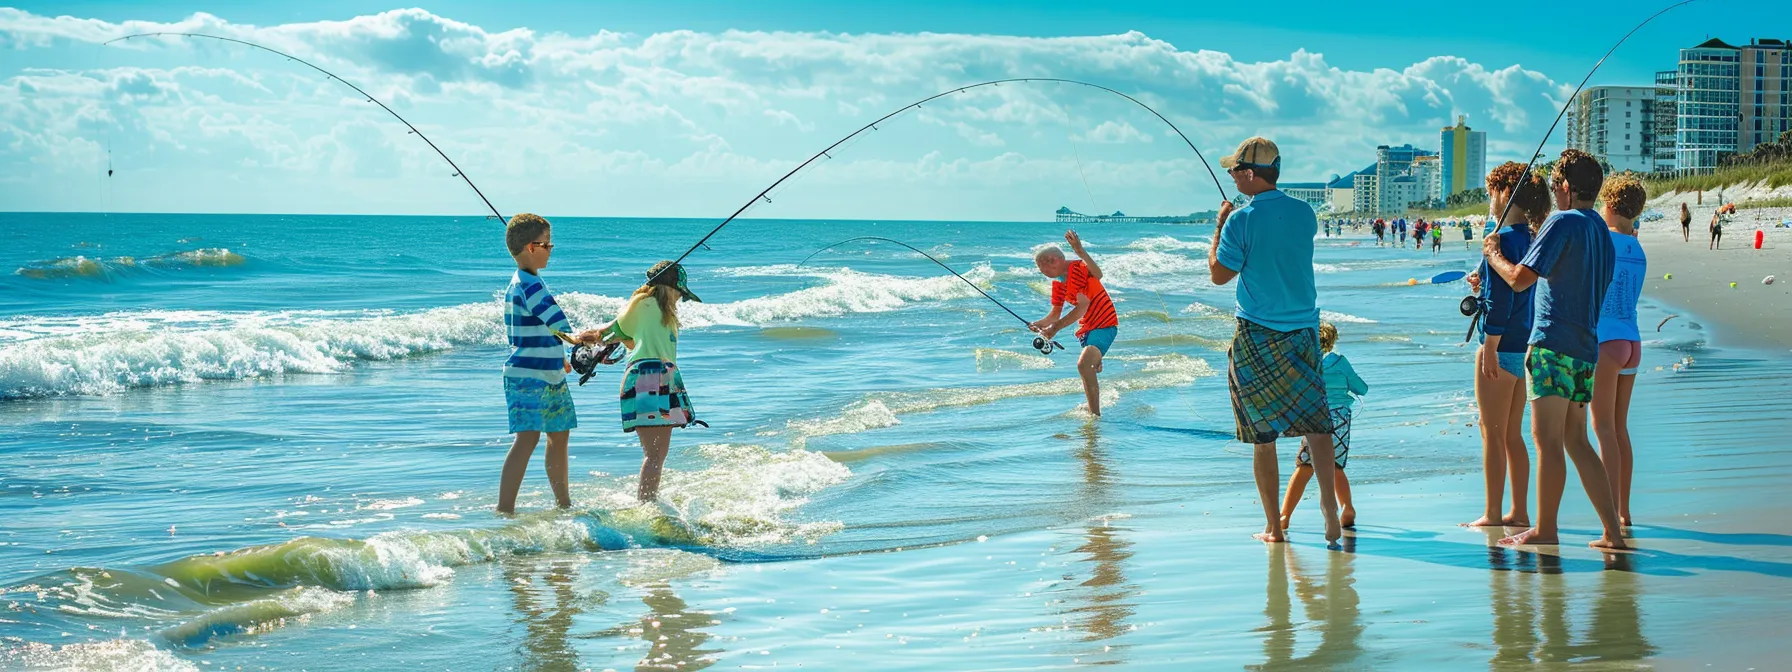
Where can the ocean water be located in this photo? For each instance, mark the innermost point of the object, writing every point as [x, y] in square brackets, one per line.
[273, 441]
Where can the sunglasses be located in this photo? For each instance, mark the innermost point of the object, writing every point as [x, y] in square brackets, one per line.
[1237, 169]
[546, 246]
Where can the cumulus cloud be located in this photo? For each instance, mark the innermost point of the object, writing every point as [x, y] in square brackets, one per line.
[728, 110]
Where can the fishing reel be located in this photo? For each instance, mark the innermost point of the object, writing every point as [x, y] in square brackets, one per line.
[586, 358]
[1471, 308]
[1046, 347]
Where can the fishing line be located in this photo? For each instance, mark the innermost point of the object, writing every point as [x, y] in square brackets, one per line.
[826, 153]
[1564, 111]
[1044, 346]
[414, 131]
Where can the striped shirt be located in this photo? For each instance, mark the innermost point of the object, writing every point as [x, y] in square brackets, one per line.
[1076, 285]
[529, 313]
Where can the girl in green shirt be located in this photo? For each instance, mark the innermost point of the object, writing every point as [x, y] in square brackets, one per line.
[653, 396]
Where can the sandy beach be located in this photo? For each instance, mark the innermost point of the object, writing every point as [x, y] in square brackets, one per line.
[1751, 315]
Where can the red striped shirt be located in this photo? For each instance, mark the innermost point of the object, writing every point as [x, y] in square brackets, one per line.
[1076, 284]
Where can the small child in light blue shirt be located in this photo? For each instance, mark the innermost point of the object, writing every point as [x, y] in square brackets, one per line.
[1342, 386]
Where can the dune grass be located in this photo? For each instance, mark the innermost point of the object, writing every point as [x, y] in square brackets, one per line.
[1774, 174]
[1465, 210]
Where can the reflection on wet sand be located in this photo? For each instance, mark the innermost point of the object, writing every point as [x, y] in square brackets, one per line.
[1331, 609]
[1532, 623]
[546, 609]
[673, 633]
[1103, 599]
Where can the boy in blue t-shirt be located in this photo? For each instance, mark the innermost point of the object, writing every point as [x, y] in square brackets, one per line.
[1570, 262]
[535, 374]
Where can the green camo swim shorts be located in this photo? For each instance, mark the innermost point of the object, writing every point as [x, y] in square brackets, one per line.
[1553, 374]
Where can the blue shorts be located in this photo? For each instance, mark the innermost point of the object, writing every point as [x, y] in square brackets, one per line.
[1513, 363]
[536, 406]
[1102, 338]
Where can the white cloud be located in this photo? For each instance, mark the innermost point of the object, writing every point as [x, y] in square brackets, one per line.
[650, 115]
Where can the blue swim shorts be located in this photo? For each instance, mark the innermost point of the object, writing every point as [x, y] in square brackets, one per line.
[536, 406]
[1513, 363]
[1102, 338]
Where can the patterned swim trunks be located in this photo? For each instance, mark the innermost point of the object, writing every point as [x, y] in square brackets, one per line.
[1553, 374]
[1277, 387]
[536, 406]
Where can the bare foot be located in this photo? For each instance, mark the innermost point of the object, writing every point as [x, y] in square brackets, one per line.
[1270, 537]
[1347, 518]
[1284, 522]
[1608, 542]
[1515, 520]
[1333, 531]
[1530, 537]
[1624, 521]
[1483, 521]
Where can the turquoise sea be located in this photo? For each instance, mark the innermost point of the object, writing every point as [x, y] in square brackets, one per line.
[274, 442]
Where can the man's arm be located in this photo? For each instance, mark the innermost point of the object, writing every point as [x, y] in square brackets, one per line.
[1070, 318]
[1519, 277]
[1076, 245]
[1050, 318]
[1218, 272]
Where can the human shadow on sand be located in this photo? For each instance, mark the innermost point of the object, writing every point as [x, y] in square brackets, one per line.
[1425, 547]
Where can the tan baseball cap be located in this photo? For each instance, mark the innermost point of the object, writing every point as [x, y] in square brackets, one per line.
[1257, 151]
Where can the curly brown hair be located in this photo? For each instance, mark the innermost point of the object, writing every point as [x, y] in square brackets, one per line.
[1529, 194]
[1625, 195]
[1582, 172]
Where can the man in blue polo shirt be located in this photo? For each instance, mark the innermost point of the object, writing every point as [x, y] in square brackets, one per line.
[1571, 262]
[1277, 386]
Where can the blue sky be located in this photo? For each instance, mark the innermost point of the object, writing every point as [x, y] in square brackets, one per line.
[688, 108]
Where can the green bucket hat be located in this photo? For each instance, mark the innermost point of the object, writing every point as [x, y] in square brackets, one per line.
[672, 275]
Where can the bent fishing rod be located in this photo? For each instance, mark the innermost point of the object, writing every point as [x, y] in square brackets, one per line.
[1039, 342]
[414, 130]
[873, 126]
[1570, 102]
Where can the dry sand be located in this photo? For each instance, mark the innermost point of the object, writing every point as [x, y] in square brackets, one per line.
[1751, 315]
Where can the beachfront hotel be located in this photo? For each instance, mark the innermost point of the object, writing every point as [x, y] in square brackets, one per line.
[1464, 164]
[1730, 99]
[1617, 125]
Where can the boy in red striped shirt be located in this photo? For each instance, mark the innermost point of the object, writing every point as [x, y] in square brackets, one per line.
[1079, 283]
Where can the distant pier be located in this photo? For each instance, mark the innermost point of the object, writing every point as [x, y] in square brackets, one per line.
[1068, 216]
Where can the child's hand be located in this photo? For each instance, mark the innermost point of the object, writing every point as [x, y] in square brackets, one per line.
[1048, 332]
[1076, 243]
[590, 337]
[1038, 326]
[1474, 282]
[1490, 245]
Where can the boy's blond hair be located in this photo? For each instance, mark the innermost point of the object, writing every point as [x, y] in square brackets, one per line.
[523, 229]
[1625, 195]
[1328, 336]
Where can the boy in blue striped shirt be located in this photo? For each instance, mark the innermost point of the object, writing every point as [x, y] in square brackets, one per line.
[535, 375]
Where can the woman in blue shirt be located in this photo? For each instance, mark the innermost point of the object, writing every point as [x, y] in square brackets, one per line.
[1505, 336]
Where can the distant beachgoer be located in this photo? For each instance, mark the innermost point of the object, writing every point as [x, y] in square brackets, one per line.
[1437, 239]
[1505, 336]
[1079, 282]
[1400, 228]
[1570, 262]
[1341, 381]
[1685, 223]
[1620, 340]
[1277, 386]
[653, 399]
[1468, 235]
[1717, 229]
[535, 389]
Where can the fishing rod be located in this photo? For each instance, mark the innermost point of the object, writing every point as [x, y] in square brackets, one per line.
[1039, 342]
[1564, 111]
[414, 130]
[873, 126]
